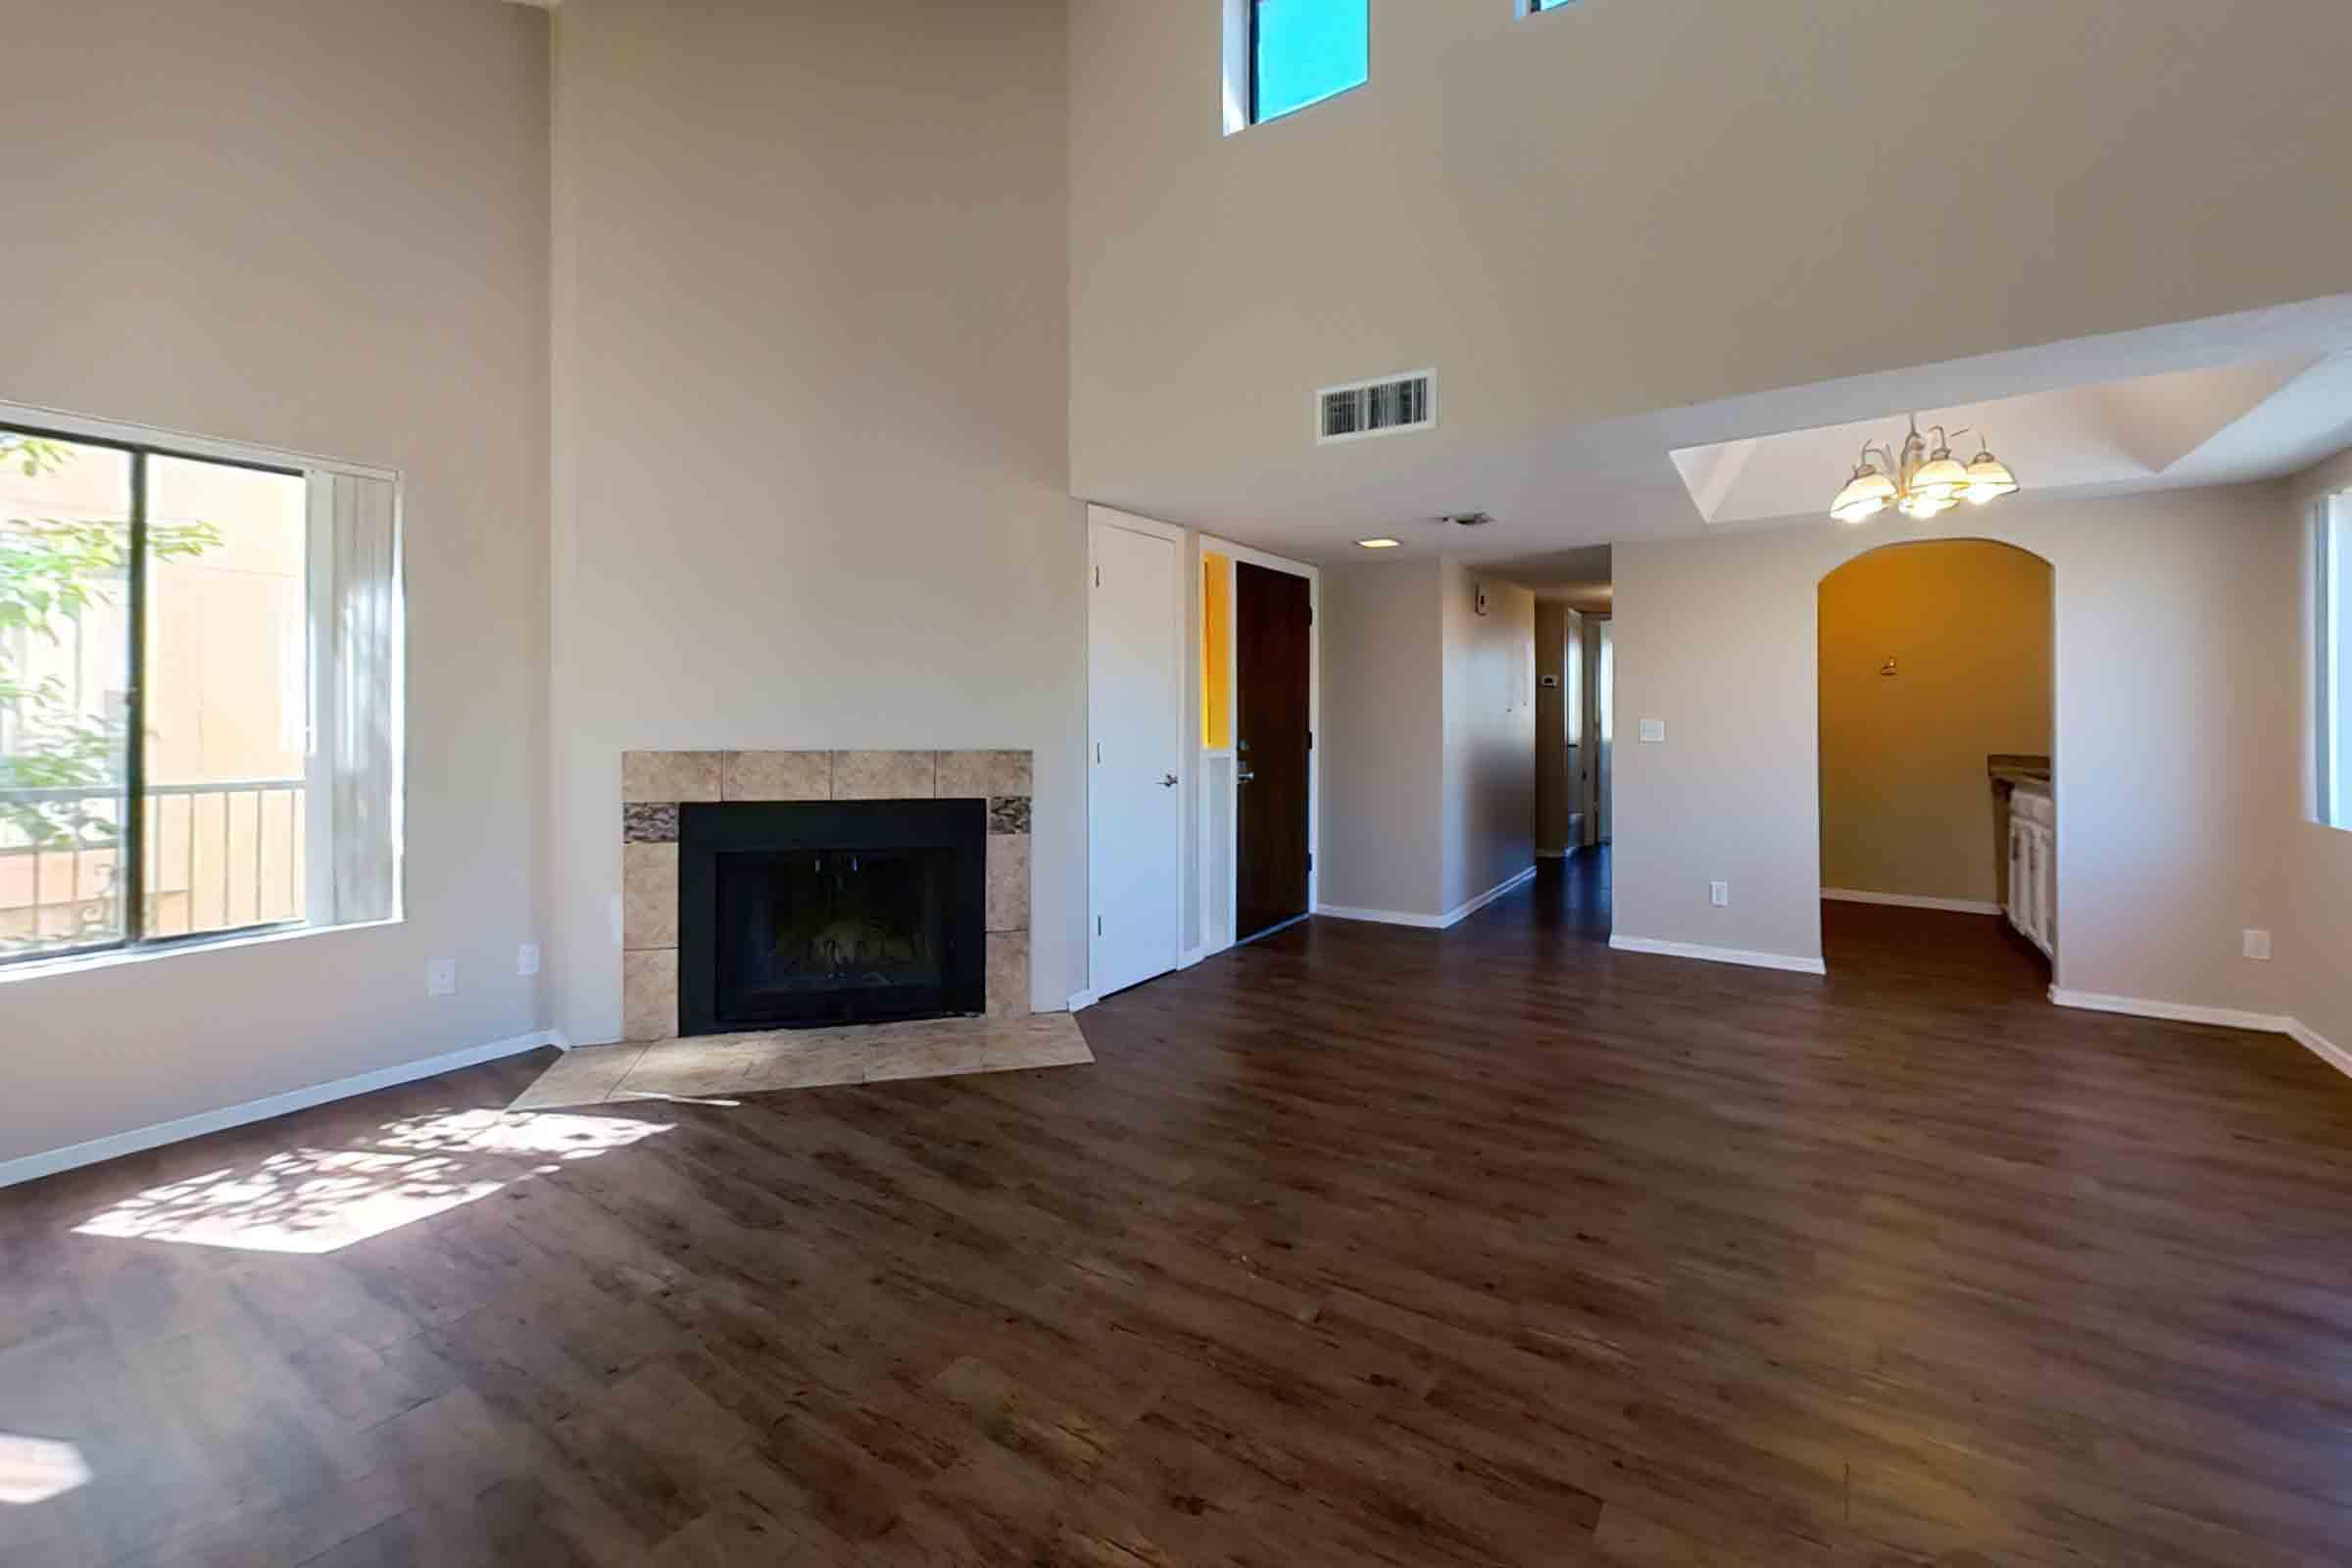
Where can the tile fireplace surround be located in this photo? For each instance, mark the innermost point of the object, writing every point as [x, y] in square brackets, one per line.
[655, 784]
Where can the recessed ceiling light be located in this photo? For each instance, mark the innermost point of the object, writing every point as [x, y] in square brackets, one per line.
[1380, 544]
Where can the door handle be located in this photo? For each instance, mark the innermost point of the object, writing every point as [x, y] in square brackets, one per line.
[1243, 776]
[1168, 783]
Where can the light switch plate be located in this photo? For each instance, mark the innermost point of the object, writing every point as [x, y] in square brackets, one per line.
[527, 959]
[1653, 731]
[2258, 944]
[1719, 894]
[441, 977]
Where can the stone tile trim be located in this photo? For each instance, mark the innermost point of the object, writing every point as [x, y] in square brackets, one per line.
[810, 1059]
[647, 823]
[777, 776]
[653, 784]
[669, 777]
[885, 775]
[983, 775]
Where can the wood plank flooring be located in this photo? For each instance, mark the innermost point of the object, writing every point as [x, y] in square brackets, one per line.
[1362, 1246]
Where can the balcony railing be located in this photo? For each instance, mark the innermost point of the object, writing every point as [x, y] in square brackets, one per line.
[217, 857]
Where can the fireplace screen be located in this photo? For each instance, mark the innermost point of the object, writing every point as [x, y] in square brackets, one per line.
[829, 913]
[831, 920]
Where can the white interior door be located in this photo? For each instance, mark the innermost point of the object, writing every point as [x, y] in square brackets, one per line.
[1135, 695]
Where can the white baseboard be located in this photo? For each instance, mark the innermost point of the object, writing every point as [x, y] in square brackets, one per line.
[30, 1167]
[1551, 854]
[1426, 922]
[2273, 1023]
[1080, 1000]
[1343, 911]
[1185, 960]
[1906, 901]
[2269, 1023]
[1691, 949]
[2319, 1046]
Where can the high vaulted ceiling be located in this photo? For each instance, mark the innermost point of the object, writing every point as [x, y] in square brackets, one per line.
[2248, 397]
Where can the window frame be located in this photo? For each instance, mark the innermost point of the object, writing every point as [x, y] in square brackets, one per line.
[139, 445]
[1251, 39]
[2331, 648]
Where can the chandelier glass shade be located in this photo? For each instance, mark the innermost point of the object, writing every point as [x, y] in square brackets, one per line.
[1920, 484]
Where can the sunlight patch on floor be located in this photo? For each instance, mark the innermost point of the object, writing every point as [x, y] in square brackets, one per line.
[311, 1201]
[36, 1469]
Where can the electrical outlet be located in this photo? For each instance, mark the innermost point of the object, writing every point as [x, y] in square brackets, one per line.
[527, 959]
[2258, 944]
[1653, 731]
[1719, 894]
[441, 977]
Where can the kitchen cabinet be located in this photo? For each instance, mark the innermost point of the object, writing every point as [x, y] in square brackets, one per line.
[2033, 899]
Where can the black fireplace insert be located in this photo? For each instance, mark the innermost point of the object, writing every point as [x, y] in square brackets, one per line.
[801, 913]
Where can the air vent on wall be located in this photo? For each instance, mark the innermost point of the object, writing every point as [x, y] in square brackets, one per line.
[1385, 407]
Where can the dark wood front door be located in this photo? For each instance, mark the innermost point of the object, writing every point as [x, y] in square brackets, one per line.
[1273, 631]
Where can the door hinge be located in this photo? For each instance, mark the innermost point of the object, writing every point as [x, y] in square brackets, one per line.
[1098, 925]
[1097, 577]
[1310, 740]
[1310, 859]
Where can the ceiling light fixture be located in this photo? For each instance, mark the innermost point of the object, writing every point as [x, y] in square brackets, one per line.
[1379, 544]
[1920, 484]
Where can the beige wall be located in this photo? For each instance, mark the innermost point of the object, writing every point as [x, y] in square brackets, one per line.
[810, 481]
[320, 228]
[2173, 648]
[1905, 806]
[1628, 205]
[1384, 731]
[2316, 861]
[1490, 761]
[1429, 734]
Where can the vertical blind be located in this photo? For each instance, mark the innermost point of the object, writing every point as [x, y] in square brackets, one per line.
[360, 665]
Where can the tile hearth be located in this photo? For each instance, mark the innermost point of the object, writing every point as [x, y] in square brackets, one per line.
[806, 1058]
[655, 784]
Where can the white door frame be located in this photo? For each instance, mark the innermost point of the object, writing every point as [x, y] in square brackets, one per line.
[1230, 892]
[1188, 746]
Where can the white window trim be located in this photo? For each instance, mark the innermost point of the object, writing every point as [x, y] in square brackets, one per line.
[181, 443]
[2330, 711]
[1234, 77]
[318, 853]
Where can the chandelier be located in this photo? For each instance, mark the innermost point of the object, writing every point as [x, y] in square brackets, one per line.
[1919, 484]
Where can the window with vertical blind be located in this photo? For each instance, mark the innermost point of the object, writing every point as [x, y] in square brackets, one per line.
[2331, 645]
[200, 730]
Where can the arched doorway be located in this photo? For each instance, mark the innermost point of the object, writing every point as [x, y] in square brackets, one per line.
[1937, 732]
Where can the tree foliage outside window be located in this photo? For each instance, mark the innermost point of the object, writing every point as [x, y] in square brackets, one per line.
[53, 573]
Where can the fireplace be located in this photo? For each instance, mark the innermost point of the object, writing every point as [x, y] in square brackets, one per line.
[797, 914]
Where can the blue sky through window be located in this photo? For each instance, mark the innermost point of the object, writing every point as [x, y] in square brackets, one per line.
[1308, 50]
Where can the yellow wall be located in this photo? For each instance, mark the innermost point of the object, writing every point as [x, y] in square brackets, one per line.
[1904, 804]
[1216, 652]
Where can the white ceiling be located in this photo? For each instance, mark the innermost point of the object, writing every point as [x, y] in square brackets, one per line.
[2190, 427]
[2240, 398]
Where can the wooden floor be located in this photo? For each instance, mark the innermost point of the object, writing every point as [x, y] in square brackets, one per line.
[1362, 1246]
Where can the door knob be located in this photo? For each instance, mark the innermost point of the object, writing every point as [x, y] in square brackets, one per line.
[1168, 783]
